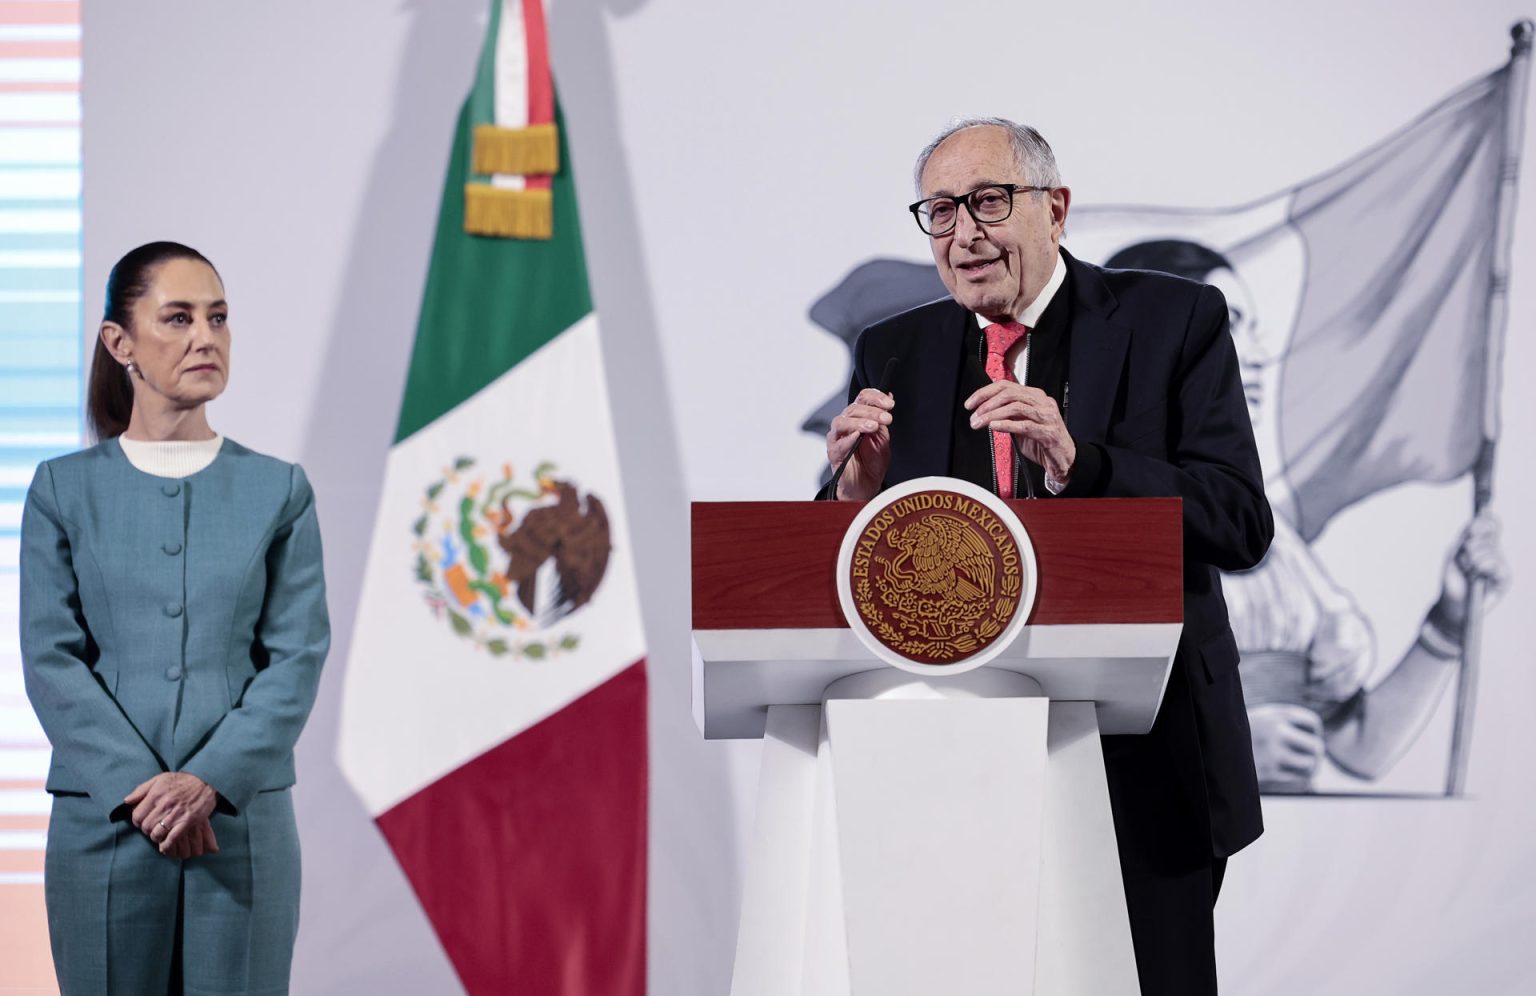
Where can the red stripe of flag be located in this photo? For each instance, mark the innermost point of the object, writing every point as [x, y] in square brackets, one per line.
[541, 86]
[530, 859]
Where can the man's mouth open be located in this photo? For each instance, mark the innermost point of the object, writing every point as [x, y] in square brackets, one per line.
[975, 269]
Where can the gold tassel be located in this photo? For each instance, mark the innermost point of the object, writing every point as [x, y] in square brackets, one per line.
[508, 214]
[517, 151]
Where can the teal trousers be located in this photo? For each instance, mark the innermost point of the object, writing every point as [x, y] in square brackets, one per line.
[125, 919]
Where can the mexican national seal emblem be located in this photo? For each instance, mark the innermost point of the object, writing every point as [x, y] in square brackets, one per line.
[936, 575]
[506, 561]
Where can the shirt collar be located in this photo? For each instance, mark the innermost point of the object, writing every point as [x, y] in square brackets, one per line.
[1031, 316]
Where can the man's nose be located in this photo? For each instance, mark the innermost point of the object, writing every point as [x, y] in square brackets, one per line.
[967, 229]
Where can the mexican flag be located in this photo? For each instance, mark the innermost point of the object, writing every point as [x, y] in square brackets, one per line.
[1361, 293]
[494, 714]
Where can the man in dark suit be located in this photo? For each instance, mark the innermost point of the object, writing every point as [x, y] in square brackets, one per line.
[1107, 383]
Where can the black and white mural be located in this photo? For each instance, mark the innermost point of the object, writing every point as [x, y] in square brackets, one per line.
[1367, 306]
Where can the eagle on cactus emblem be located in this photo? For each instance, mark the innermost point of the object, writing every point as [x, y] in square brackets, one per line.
[505, 561]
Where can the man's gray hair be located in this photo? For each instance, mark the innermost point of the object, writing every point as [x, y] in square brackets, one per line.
[1031, 153]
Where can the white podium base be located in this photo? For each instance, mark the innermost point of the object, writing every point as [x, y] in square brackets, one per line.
[947, 835]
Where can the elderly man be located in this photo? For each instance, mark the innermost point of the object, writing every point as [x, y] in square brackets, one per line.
[1108, 383]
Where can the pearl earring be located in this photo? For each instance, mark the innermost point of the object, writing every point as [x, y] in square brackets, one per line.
[131, 368]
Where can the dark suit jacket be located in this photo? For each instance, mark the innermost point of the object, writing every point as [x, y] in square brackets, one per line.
[1156, 409]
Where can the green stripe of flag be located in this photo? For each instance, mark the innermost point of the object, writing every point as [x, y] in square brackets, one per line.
[489, 303]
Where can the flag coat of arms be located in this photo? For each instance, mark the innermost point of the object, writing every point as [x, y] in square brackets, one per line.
[494, 713]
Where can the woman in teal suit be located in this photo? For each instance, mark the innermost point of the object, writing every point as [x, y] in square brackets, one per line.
[173, 626]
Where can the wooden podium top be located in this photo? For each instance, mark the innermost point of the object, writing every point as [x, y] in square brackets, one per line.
[768, 628]
[772, 565]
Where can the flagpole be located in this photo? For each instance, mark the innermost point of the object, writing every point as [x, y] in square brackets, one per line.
[1498, 317]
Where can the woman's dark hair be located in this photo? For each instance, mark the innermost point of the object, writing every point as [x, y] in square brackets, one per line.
[109, 399]
[1181, 258]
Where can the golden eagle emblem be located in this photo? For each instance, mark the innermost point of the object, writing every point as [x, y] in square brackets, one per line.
[942, 556]
[936, 576]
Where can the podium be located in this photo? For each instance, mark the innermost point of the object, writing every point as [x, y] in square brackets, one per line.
[933, 829]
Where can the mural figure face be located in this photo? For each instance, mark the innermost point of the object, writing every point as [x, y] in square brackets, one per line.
[1253, 356]
[995, 269]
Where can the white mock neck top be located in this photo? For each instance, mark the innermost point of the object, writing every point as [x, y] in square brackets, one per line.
[171, 457]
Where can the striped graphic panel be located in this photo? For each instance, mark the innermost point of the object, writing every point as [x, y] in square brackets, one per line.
[40, 393]
[40, 404]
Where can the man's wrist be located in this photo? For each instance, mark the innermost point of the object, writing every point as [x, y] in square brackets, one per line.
[1090, 473]
[1057, 478]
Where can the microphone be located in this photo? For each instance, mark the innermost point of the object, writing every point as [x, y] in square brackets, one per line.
[884, 387]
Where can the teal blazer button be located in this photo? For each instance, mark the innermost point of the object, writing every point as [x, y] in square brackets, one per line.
[173, 674]
[170, 489]
[173, 609]
[172, 548]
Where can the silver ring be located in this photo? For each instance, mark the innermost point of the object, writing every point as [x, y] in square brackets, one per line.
[163, 826]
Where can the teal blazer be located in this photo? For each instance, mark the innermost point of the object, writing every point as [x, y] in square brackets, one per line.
[171, 625]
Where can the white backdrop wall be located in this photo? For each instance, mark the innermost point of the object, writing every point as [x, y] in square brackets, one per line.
[301, 146]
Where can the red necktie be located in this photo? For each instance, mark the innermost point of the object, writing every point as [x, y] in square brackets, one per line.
[1000, 339]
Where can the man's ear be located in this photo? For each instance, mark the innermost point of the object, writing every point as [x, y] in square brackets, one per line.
[1061, 200]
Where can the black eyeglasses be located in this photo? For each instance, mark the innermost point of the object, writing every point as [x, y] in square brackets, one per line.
[988, 205]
